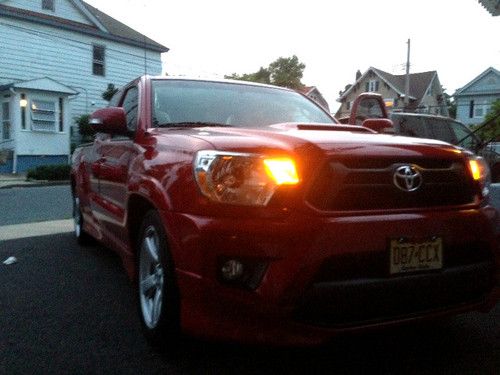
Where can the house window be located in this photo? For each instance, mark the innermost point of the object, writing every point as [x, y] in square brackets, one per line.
[471, 109]
[23, 104]
[48, 5]
[5, 120]
[348, 105]
[99, 53]
[480, 110]
[372, 86]
[61, 115]
[43, 115]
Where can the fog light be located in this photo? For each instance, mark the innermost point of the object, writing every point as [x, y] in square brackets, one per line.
[232, 270]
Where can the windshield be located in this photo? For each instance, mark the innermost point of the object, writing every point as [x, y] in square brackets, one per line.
[182, 102]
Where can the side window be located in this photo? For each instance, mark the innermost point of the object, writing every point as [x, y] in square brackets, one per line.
[441, 130]
[464, 136]
[411, 126]
[115, 99]
[130, 105]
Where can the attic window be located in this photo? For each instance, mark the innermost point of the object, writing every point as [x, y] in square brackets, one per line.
[48, 5]
[98, 60]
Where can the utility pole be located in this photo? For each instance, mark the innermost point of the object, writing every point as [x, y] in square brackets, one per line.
[407, 78]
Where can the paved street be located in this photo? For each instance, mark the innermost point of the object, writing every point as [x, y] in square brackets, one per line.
[34, 204]
[67, 309]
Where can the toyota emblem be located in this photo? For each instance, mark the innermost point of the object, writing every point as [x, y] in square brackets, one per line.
[407, 178]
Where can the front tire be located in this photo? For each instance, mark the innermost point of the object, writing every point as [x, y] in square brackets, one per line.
[159, 306]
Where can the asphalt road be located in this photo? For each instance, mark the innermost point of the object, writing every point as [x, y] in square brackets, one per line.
[67, 309]
[33, 204]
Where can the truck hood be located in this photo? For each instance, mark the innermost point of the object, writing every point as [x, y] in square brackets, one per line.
[321, 138]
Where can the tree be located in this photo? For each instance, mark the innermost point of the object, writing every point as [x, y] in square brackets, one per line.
[86, 130]
[285, 71]
[451, 104]
[262, 76]
[109, 92]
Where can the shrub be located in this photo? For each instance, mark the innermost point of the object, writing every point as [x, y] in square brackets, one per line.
[58, 172]
[86, 130]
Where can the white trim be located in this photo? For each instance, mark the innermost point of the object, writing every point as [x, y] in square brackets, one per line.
[479, 77]
[78, 4]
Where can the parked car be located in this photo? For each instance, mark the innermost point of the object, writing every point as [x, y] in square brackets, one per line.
[246, 212]
[421, 125]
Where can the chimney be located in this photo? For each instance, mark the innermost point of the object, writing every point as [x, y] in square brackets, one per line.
[358, 75]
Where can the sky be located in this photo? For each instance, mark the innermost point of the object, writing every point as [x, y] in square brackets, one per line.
[457, 38]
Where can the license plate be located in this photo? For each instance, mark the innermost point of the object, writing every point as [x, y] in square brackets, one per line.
[408, 256]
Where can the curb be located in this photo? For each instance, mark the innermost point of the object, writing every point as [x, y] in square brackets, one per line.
[33, 184]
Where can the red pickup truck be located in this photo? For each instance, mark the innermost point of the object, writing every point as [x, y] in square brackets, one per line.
[246, 212]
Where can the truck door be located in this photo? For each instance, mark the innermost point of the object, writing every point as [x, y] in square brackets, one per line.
[112, 169]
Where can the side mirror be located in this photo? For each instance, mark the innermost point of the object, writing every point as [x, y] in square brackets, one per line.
[110, 120]
[380, 125]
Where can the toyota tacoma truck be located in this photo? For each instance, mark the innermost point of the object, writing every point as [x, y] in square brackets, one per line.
[246, 212]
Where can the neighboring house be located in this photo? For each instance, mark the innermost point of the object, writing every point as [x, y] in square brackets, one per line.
[313, 93]
[492, 6]
[57, 57]
[475, 98]
[425, 95]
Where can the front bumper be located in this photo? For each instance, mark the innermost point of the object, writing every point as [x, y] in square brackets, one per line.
[296, 304]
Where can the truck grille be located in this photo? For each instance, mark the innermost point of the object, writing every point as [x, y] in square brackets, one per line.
[368, 184]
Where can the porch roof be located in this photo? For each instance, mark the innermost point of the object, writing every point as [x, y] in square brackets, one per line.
[41, 84]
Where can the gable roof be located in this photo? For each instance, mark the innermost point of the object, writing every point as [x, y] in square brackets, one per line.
[461, 90]
[117, 28]
[419, 82]
[104, 26]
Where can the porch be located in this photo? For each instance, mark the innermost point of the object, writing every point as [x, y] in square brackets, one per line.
[35, 122]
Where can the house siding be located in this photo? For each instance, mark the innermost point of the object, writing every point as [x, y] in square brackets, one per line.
[63, 9]
[29, 51]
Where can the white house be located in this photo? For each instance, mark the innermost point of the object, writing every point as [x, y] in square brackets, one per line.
[57, 57]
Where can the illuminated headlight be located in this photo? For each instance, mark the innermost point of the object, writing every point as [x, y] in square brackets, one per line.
[480, 173]
[242, 179]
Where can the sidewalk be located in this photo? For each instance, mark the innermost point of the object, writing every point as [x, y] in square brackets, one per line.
[19, 180]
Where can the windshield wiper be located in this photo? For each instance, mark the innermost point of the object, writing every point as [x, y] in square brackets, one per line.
[189, 124]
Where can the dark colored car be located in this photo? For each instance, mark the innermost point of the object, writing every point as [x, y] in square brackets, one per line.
[368, 106]
[246, 212]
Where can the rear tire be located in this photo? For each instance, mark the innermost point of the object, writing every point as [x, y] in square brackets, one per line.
[158, 295]
[82, 237]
